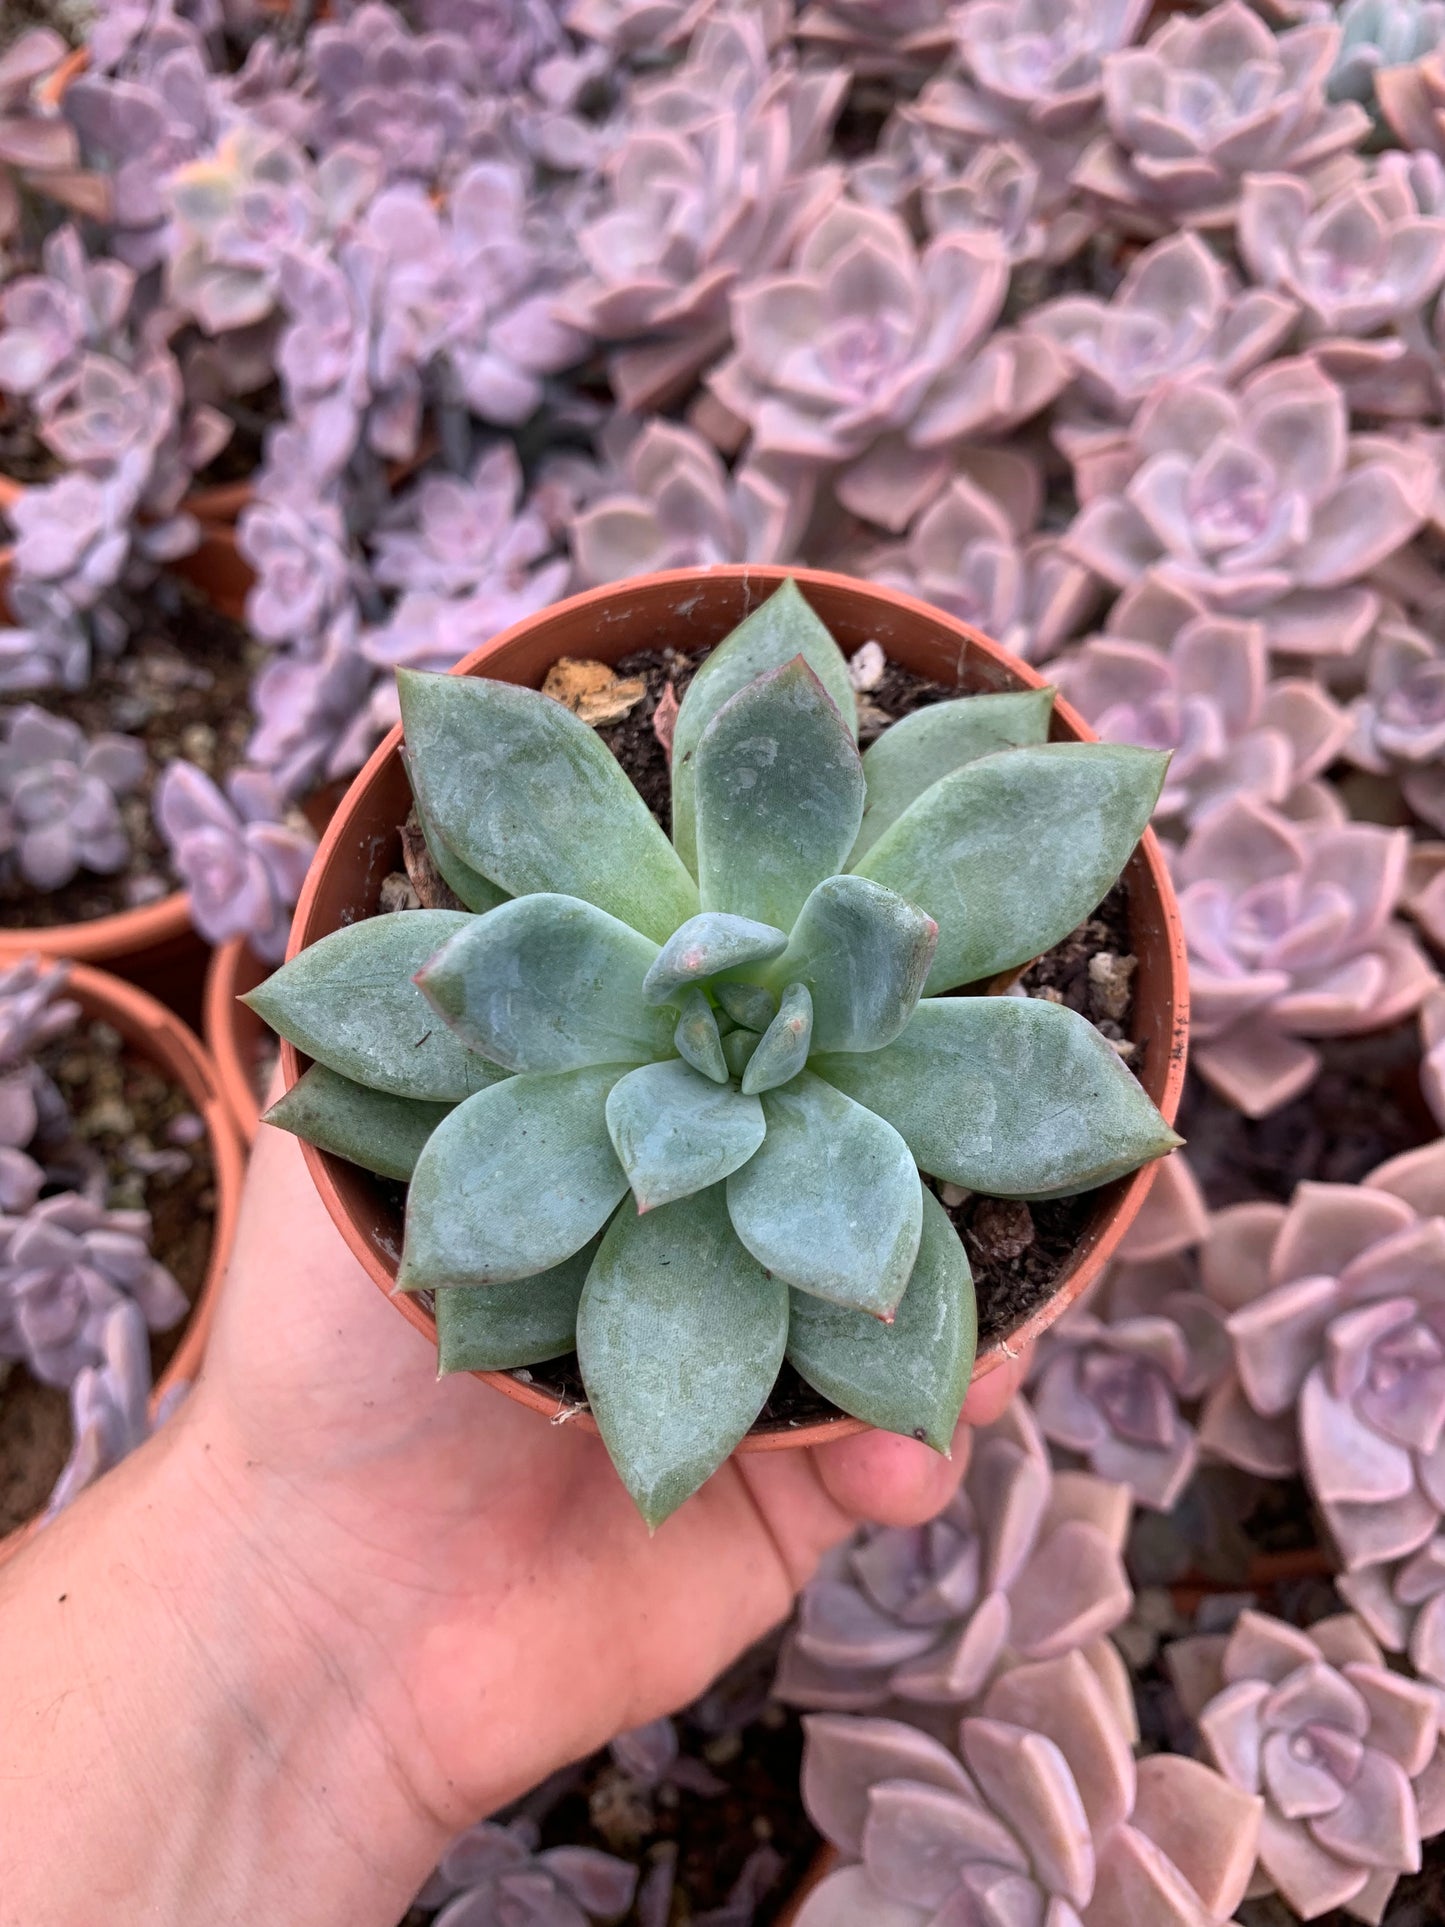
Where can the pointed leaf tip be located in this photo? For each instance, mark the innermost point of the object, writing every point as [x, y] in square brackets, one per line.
[783, 1048]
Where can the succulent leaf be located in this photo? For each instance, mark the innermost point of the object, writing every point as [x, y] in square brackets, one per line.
[783, 1047]
[477, 892]
[864, 952]
[513, 1182]
[751, 1005]
[548, 983]
[530, 797]
[374, 1129]
[737, 1049]
[1011, 852]
[349, 1002]
[677, 1132]
[705, 946]
[831, 1201]
[493, 1328]
[913, 753]
[680, 1337]
[784, 627]
[697, 1036]
[1012, 1096]
[779, 796]
[911, 1376]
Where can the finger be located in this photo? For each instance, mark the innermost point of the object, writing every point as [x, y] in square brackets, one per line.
[889, 1480]
[988, 1395]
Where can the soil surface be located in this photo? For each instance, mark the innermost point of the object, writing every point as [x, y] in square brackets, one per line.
[1017, 1251]
[182, 686]
[138, 1140]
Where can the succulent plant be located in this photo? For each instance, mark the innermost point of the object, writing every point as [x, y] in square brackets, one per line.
[236, 855]
[1432, 1058]
[311, 711]
[675, 506]
[109, 1404]
[1117, 1381]
[692, 209]
[1292, 935]
[1399, 720]
[37, 147]
[304, 573]
[59, 797]
[640, 27]
[1175, 314]
[50, 318]
[1412, 99]
[493, 1873]
[1375, 34]
[453, 535]
[998, 189]
[1025, 1564]
[1261, 504]
[973, 552]
[1202, 689]
[873, 361]
[1183, 133]
[891, 38]
[1333, 1306]
[1046, 1817]
[63, 1268]
[730, 1027]
[1344, 1753]
[507, 38]
[32, 1013]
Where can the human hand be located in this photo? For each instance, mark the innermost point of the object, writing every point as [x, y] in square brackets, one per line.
[416, 1597]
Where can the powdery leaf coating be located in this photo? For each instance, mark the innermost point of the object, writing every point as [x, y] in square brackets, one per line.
[676, 1132]
[1259, 504]
[1046, 1817]
[1292, 935]
[680, 1336]
[1334, 1312]
[375, 1129]
[1344, 1753]
[1182, 136]
[1024, 1564]
[863, 953]
[493, 1328]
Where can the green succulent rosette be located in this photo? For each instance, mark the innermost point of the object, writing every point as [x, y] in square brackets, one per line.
[668, 1102]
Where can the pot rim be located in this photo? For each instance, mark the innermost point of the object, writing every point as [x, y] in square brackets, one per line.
[1125, 1206]
[157, 1033]
[234, 968]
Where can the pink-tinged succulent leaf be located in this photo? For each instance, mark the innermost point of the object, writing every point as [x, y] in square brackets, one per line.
[1064, 1701]
[846, 1757]
[1025, 1778]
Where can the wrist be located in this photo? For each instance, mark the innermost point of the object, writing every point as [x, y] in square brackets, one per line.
[174, 1683]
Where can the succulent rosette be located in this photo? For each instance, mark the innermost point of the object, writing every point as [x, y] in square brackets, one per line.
[745, 1028]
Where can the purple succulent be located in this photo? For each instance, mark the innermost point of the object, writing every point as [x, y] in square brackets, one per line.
[973, 553]
[72, 536]
[507, 38]
[493, 1873]
[1184, 131]
[32, 1014]
[638, 27]
[1174, 315]
[109, 1404]
[1399, 720]
[1200, 686]
[1378, 34]
[1117, 1380]
[651, 1757]
[891, 39]
[1031, 71]
[1025, 1564]
[1432, 1056]
[873, 362]
[997, 189]
[63, 1268]
[675, 506]
[47, 646]
[1335, 1308]
[36, 144]
[1344, 1753]
[241, 862]
[695, 202]
[1261, 504]
[311, 712]
[304, 574]
[60, 797]
[49, 318]
[1046, 1821]
[1292, 935]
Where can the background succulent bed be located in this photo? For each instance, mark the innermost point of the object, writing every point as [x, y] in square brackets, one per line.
[730, 1026]
[1136, 367]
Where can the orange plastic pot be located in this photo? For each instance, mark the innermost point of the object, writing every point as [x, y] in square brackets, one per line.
[159, 1035]
[234, 1033]
[689, 608]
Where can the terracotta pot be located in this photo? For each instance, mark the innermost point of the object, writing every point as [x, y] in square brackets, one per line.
[234, 1033]
[158, 1034]
[154, 946]
[687, 608]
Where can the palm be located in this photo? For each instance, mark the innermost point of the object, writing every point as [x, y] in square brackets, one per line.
[474, 1544]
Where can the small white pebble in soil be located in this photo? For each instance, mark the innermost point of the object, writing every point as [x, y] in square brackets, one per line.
[1110, 979]
[867, 668]
[397, 894]
[951, 1196]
